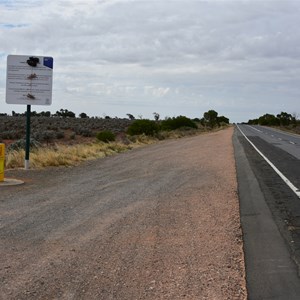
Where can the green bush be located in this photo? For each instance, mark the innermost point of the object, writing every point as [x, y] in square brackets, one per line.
[146, 127]
[106, 136]
[178, 122]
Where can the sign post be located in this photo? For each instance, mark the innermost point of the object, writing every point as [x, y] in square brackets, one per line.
[29, 82]
[27, 150]
[2, 160]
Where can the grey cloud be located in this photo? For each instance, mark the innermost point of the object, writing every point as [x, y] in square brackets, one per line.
[207, 50]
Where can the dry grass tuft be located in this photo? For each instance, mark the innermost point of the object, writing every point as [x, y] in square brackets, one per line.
[14, 159]
[62, 155]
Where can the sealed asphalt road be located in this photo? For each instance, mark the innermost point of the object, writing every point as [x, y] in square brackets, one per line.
[270, 213]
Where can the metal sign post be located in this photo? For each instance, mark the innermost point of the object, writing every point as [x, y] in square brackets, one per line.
[2, 160]
[27, 150]
[29, 81]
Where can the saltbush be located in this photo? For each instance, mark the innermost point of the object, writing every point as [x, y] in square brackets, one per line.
[86, 132]
[147, 127]
[21, 144]
[60, 134]
[11, 135]
[44, 136]
[106, 136]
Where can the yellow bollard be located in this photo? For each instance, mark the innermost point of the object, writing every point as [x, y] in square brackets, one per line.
[2, 159]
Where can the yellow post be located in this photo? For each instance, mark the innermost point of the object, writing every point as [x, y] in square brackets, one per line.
[2, 159]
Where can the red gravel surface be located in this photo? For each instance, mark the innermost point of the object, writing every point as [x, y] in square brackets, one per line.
[159, 222]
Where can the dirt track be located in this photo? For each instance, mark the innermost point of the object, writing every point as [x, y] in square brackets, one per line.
[160, 222]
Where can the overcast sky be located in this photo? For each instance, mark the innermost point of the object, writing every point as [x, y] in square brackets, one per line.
[174, 57]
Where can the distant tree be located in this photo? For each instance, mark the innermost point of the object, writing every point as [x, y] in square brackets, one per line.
[268, 120]
[156, 116]
[70, 114]
[65, 113]
[222, 119]
[210, 118]
[83, 115]
[282, 119]
[286, 119]
[253, 122]
[46, 114]
[131, 117]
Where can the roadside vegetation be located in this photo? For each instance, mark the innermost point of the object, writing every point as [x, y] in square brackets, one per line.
[283, 121]
[64, 140]
[62, 155]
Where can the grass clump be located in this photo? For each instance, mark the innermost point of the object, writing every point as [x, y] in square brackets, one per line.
[62, 155]
[14, 158]
[106, 136]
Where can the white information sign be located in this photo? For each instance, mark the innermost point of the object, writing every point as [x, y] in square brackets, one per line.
[29, 80]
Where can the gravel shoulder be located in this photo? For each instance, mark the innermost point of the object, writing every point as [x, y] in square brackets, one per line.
[158, 222]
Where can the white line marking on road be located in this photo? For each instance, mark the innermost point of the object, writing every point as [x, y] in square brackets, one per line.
[285, 132]
[255, 129]
[280, 139]
[292, 143]
[285, 179]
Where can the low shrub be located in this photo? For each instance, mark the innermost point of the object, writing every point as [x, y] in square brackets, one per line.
[11, 135]
[106, 136]
[147, 127]
[178, 122]
[21, 144]
[60, 134]
[85, 132]
[44, 136]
